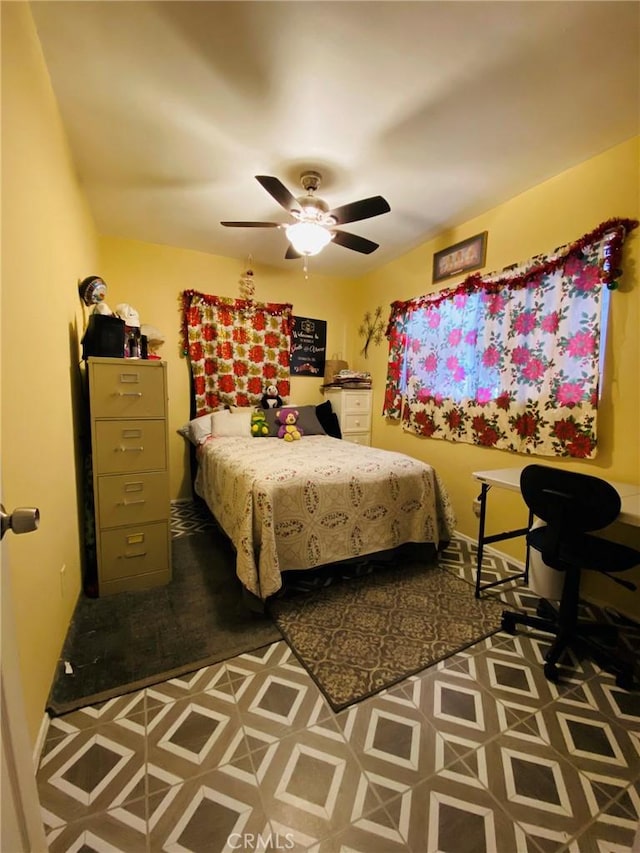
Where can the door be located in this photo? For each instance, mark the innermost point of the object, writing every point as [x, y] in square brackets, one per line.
[21, 829]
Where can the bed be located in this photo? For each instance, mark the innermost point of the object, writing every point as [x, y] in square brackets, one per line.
[297, 505]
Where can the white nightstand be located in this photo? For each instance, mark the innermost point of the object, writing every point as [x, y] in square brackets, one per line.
[353, 408]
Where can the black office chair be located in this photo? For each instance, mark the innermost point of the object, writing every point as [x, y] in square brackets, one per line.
[572, 505]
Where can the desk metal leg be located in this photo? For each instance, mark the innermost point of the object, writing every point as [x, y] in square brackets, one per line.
[526, 559]
[482, 497]
[498, 537]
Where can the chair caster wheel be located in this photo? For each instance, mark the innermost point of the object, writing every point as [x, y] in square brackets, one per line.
[545, 610]
[551, 672]
[624, 681]
[508, 623]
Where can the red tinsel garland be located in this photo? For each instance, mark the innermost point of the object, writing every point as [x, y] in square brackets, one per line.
[276, 309]
[618, 228]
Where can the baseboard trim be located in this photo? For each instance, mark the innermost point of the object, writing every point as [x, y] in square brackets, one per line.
[40, 741]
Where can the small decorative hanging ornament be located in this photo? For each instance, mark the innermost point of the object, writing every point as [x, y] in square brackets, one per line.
[247, 283]
[612, 253]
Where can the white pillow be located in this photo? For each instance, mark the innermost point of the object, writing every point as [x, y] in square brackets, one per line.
[197, 430]
[238, 423]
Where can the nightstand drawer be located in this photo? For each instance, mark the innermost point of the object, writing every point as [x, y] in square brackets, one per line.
[358, 438]
[359, 421]
[128, 446]
[128, 389]
[357, 401]
[136, 550]
[132, 498]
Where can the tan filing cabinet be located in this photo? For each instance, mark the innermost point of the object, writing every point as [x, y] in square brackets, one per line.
[353, 408]
[129, 442]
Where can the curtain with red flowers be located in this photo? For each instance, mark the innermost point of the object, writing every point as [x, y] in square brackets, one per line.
[236, 348]
[509, 360]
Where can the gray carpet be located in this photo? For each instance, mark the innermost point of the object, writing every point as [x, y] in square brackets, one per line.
[123, 642]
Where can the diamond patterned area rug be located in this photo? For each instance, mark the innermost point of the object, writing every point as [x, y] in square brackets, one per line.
[358, 637]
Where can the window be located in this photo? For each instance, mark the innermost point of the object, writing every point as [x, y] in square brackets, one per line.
[509, 360]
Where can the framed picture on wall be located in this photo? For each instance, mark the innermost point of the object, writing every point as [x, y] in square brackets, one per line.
[308, 347]
[461, 257]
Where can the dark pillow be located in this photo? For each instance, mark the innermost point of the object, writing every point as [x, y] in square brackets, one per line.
[328, 419]
[307, 420]
[334, 426]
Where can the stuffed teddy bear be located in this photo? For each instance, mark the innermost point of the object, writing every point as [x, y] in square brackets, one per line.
[259, 425]
[271, 399]
[289, 431]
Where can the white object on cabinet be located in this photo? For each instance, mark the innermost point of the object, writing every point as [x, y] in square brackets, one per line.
[353, 408]
[130, 449]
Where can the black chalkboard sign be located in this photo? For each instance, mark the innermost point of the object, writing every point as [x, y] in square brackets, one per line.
[308, 346]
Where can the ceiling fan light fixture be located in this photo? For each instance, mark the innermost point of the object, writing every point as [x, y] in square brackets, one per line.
[307, 238]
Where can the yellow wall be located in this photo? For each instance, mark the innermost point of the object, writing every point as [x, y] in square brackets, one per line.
[549, 215]
[48, 242]
[151, 277]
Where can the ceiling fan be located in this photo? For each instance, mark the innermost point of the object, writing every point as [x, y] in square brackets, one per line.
[314, 223]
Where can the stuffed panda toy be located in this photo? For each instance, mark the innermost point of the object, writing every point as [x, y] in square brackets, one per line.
[271, 399]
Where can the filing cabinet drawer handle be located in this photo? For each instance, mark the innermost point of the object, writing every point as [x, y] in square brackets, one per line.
[131, 503]
[133, 556]
[129, 449]
[129, 393]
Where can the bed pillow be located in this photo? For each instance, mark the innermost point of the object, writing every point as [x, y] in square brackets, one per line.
[307, 422]
[328, 419]
[197, 430]
[238, 423]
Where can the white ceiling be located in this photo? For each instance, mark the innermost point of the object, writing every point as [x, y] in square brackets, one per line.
[444, 108]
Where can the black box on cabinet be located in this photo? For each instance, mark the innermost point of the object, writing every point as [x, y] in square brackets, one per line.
[104, 337]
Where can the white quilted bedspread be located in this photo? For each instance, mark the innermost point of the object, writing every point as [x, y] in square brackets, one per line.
[301, 504]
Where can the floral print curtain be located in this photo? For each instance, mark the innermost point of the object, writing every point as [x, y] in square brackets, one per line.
[236, 348]
[509, 360]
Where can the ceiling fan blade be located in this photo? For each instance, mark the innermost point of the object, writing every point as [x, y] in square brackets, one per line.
[278, 190]
[251, 224]
[353, 241]
[363, 209]
[291, 253]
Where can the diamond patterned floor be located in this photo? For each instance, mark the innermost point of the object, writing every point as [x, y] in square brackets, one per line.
[479, 753]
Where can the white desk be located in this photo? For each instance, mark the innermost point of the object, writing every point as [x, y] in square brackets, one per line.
[509, 478]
